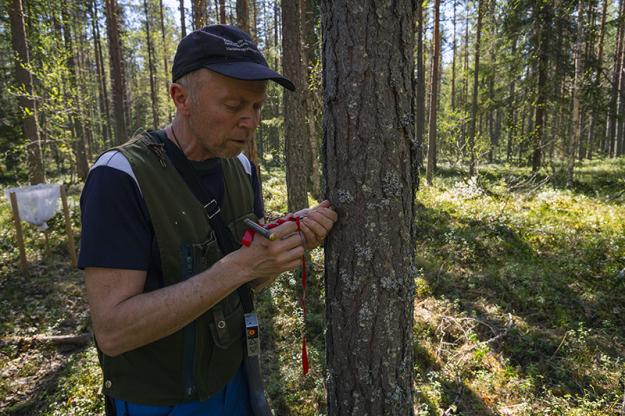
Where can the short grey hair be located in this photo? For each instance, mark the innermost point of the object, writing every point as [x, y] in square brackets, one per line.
[194, 81]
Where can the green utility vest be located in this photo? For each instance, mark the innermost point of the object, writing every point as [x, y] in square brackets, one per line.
[199, 359]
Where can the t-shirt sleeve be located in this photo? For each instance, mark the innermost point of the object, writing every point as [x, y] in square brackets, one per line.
[116, 229]
[259, 205]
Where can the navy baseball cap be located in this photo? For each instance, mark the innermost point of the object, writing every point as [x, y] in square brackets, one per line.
[226, 50]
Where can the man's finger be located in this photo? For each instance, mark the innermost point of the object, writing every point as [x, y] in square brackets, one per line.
[285, 229]
[310, 236]
[316, 217]
[313, 231]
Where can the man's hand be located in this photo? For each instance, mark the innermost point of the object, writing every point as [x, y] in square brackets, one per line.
[267, 259]
[317, 223]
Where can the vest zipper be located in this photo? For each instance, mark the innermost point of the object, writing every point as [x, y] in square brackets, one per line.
[188, 333]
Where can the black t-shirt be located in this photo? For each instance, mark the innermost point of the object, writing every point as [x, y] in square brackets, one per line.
[117, 231]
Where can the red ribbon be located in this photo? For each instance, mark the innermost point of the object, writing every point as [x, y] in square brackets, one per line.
[248, 236]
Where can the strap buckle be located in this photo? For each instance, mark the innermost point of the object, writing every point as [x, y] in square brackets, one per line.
[212, 209]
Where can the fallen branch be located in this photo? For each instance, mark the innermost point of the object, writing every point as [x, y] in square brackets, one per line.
[618, 195]
[76, 339]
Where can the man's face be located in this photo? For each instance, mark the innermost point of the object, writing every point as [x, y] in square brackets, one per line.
[224, 115]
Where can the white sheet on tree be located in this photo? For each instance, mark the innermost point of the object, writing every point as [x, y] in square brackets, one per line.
[37, 203]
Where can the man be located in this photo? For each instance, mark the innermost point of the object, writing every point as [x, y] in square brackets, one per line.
[167, 305]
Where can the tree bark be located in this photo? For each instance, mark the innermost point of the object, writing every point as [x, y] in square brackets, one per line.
[82, 166]
[312, 99]
[24, 80]
[577, 83]
[295, 132]
[476, 72]
[165, 52]
[433, 95]
[511, 119]
[542, 20]
[118, 82]
[368, 129]
[597, 113]
[614, 95]
[453, 60]
[199, 9]
[243, 15]
[222, 12]
[102, 80]
[183, 25]
[420, 84]
[151, 66]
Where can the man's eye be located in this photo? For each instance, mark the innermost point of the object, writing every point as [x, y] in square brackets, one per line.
[233, 107]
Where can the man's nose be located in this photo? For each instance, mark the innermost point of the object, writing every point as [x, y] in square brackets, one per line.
[249, 120]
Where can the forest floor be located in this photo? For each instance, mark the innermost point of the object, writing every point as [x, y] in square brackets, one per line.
[519, 307]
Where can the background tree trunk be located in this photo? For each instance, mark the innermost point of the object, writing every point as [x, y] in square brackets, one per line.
[102, 80]
[312, 100]
[222, 12]
[167, 75]
[80, 153]
[369, 257]
[542, 33]
[243, 15]
[183, 25]
[199, 9]
[118, 84]
[476, 74]
[30, 125]
[151, 66]
[577, 83]
[420, 84]
[295, 132]
[434, 95]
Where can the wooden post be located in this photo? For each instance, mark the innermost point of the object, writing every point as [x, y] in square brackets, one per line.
[19, 235]
[47, 240]
[68, 227]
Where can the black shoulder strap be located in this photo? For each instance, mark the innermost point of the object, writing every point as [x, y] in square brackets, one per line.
[224, 237]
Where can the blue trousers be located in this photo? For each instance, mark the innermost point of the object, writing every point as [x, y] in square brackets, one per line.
[232, 400]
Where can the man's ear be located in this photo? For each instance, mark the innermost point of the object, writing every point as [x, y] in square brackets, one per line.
[180, 97]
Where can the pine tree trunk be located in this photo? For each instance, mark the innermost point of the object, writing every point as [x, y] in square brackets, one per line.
[243, 15]
[102, 81]
[453, 61]
[433, 95]
[165, 52]
[117, 75]
[577, 83]
[295, 131]
[420, 84]
[222, 12]
[596, 114]
[369, 256]
[151, 66]
[82, 166]
[465, 81]
[541, 93]
[199, 9]
[310, 20]
[24, 81]
[614, 95]
[183, 25]
[476, 73]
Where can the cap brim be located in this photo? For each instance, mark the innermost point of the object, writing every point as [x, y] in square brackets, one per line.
[250, 71]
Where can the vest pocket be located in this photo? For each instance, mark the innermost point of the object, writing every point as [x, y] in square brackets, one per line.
[205, 254]
[226, 328]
